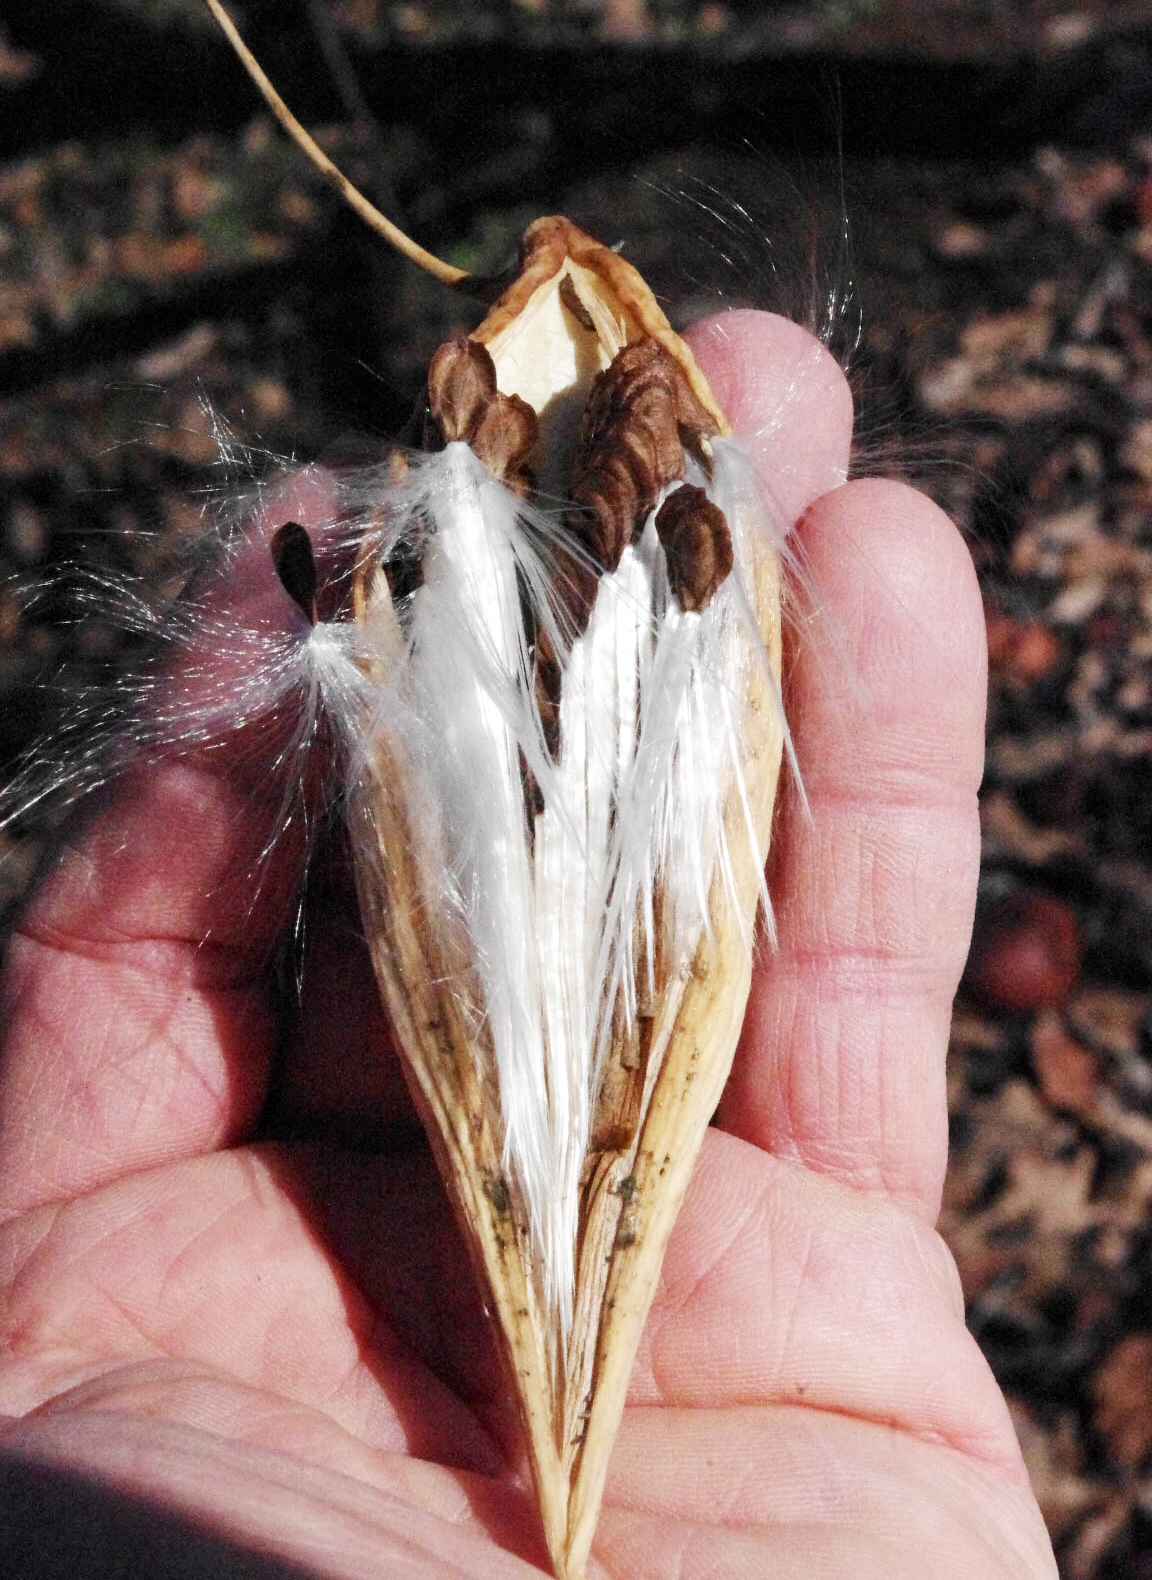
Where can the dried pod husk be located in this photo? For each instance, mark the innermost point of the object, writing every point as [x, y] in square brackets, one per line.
[624, 738]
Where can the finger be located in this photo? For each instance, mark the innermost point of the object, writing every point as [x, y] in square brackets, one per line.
[787, 399]
[842, 1060]
[137, 999]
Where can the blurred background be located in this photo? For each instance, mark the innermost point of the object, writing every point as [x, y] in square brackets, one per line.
[957, 194]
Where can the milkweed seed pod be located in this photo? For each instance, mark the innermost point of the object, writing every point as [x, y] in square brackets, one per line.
[562, 814]
[562, 748]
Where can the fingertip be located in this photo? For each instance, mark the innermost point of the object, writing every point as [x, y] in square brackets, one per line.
[786, 397]
[911, 531]
[900, 603]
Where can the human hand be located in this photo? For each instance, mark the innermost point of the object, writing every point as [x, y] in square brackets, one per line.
[232, 1287]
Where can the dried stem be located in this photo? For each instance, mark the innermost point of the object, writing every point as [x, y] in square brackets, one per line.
[448, 273]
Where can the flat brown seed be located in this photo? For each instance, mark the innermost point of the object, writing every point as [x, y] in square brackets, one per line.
[295, 563]
[461, 387]
[503, 440]
[609, 501]
[697, 545]
[630, 445]
[467, 406]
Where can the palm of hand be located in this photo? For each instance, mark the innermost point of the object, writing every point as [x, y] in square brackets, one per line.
[282, 1338]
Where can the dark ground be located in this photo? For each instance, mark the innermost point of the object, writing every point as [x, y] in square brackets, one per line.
[159, 247]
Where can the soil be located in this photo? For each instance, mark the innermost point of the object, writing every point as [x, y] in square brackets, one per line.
[168, 269]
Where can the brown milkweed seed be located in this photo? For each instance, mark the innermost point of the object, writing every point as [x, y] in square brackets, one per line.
[697, 545]
[630, 445]
[467, 406]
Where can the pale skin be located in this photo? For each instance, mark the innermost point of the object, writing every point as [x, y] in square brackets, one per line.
[279, 1338]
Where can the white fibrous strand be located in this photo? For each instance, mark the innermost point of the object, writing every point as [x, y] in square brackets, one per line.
[578, 863]
[681, 757]
[471, 688]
